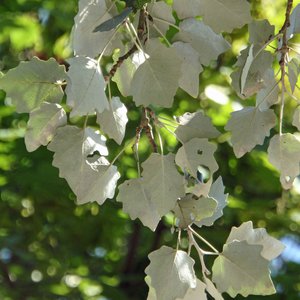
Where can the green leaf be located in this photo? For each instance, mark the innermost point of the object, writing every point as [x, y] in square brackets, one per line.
[207, 43]
[260, 31]
[162, 16]
[217, 193]
[114, 21]
[296, 117]
[194, 125]
[89, 175]
[163, 181]
[240, 269]
[42, 125]
[156, 80]
[187, 8]
[113, 121]
[171, 273]
[197, 293]
[284, 154]
[271, 247]
[190, 68]
[137, 202]
[294, 22]
[124, 75]
[197, 152]
[293, 72]
[249, 128]
[212, 290]
[90, 14]
[86, 87]
[261, 62]
[268, 96]
[189, 210]
[34, 82]
[225, 15]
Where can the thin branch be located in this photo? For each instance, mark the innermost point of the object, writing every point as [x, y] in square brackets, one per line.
[165, 22]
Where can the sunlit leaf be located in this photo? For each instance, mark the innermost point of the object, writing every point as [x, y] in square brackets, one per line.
[42, 125]
[171, 273]
[284, 154]
[33, 82]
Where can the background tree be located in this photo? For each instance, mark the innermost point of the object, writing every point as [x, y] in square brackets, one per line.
[51, 248]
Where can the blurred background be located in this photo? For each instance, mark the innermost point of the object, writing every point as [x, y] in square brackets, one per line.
[50, 248]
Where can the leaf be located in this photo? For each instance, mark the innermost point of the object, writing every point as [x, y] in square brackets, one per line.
[171, 273]
[197, 152]
[194, 125]
[90, 178]
[201, 37]
[246, 68]
[268, 96]
[136, 199]
[189, 210]
[190, 68]
[271, 247]
[217, 193]
[294, 22]
[296, 117]
[284, 154]
[261, 63]
[113, 121]
[225, 15]
[260, 31]
[42, 125]
[90, 14]
[187, 8]
[114, 21]
[240, 269]
[86, 87]
[156, 80]
[162, 16]
[33, 82]
[124, 75]
[163, 181]
[212, 290]
[293, 72]
[197, 293]
[249, 127]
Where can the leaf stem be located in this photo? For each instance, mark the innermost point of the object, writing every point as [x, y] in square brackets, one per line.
[166, 22]
[201, 254]
[203, 240]
[283, 59]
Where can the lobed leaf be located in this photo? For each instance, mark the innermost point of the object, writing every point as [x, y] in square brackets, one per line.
[284, 154]
[249, 128]
[271, 247]
[240, 269]
[113, 121]
[86, 87]
[156, 80]
[201, 37]
[137, 202]
[33, 82]
[79, 156]
[42, 124]
[171, 273]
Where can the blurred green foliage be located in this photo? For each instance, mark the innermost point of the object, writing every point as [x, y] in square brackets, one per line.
[52, 249]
